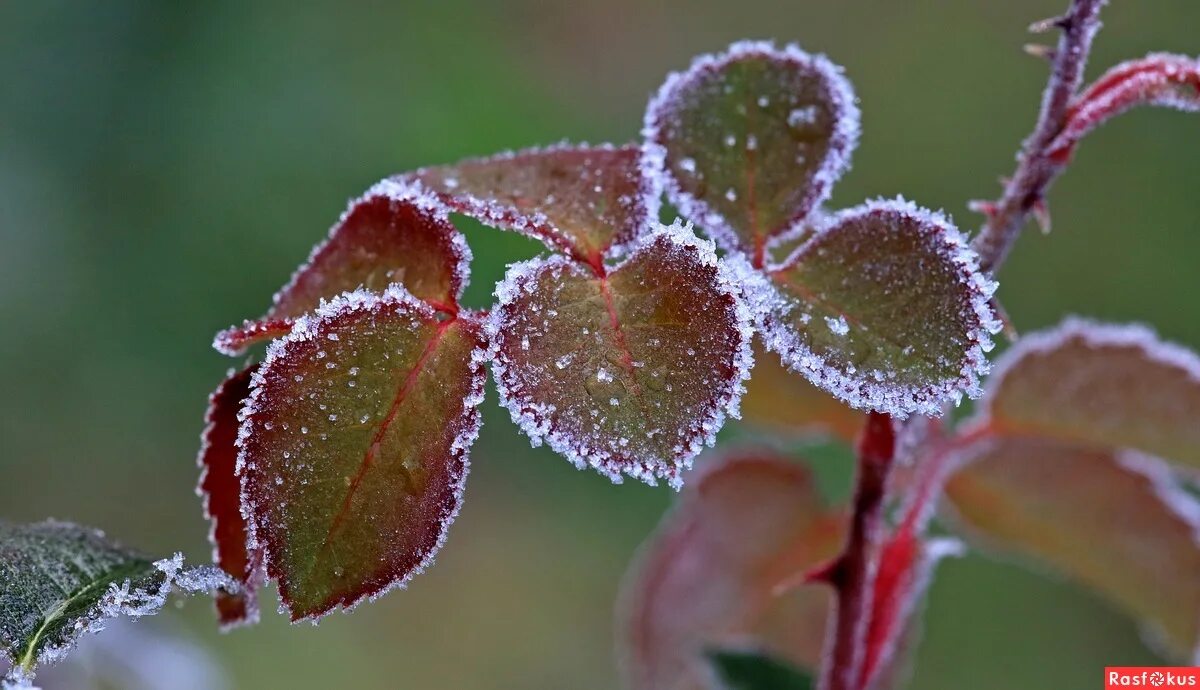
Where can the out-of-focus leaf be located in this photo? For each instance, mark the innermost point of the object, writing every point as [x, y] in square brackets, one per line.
[784, 402]
[1100, 384]
[738, 670]
[1112, 519]
[629, 371]
[884, 307]
[581, 200]
[394, 233]
[354, 445]
[751, 140]
[59, 581]
[1158, 79]
[221, 493]
[707, 578]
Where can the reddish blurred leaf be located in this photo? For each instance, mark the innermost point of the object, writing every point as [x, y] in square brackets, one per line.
[629, 371]
[1111, 519]
[581, 200]
[1157, 79]
[1100, 384]
[354, 445]
[784, 402]
[394, 233]
[221, 493]
[707, 578]
[752, 140]
[884, 307]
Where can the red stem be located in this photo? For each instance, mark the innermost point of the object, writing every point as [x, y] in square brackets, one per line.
[1036, 170]
[853, 573]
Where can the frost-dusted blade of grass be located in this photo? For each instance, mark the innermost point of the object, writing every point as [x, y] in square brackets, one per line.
[1113, 520]
[751, 140]
[578, 199]
[707, 578]
[59, 581]
[630, 371]
[884, 307]
[221, 493]
[396, 232]
[354, 446]
[1102, 384]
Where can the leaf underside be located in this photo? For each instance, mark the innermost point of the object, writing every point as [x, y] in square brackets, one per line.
[706, 579]
[221, 490]
[54, 576]
[354, 450]
[629, 372]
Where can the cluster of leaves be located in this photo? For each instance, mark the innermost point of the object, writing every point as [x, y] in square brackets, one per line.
[336, 463]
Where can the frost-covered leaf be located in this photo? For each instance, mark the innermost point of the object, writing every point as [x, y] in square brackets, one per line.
[752, 140]
[581, 200]
[394, 233]
[354, 445]
[629, 371]
[59, 581]
[221, 493]
[707, 578]
[784, 402]
[906, 564]
[1160, 79]
[1113, 520]
[1100, 384]
[742, 670]
[884, 307]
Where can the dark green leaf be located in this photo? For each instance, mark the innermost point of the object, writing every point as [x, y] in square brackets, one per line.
[739, 670]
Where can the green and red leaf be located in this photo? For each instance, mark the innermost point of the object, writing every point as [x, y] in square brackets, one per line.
[1113, 520]
[394, 233]
[581, 200]
[884, 307]
[1098, 384]
[708, 577]
[779, 400]
[354, 445]
[751, 140]
[221, 493]
[630, 370]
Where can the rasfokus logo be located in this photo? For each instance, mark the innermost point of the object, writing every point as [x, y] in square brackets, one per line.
[1151, 677]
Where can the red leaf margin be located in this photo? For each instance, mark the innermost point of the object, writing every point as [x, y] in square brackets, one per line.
[220, 494]
[471, 422]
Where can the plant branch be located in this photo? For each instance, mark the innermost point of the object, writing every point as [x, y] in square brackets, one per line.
[852, 574]
[1024, 193]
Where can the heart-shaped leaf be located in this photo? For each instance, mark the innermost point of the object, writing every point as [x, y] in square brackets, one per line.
[707, 578]
[581, 200]
[780, 401]
[741, 670]
[1092, 383]
[751, 140]
[629, 371]
[59, 581]
[221, 493]
[354, 445]
[884, 307]
[396, 232]
[1112, 519]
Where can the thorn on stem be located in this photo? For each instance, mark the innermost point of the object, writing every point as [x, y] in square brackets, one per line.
[1041, 213]
[1041, 27]
[987, 208]
[1039, 50]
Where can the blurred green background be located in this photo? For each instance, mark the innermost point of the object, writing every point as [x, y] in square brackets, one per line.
[164, 166]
